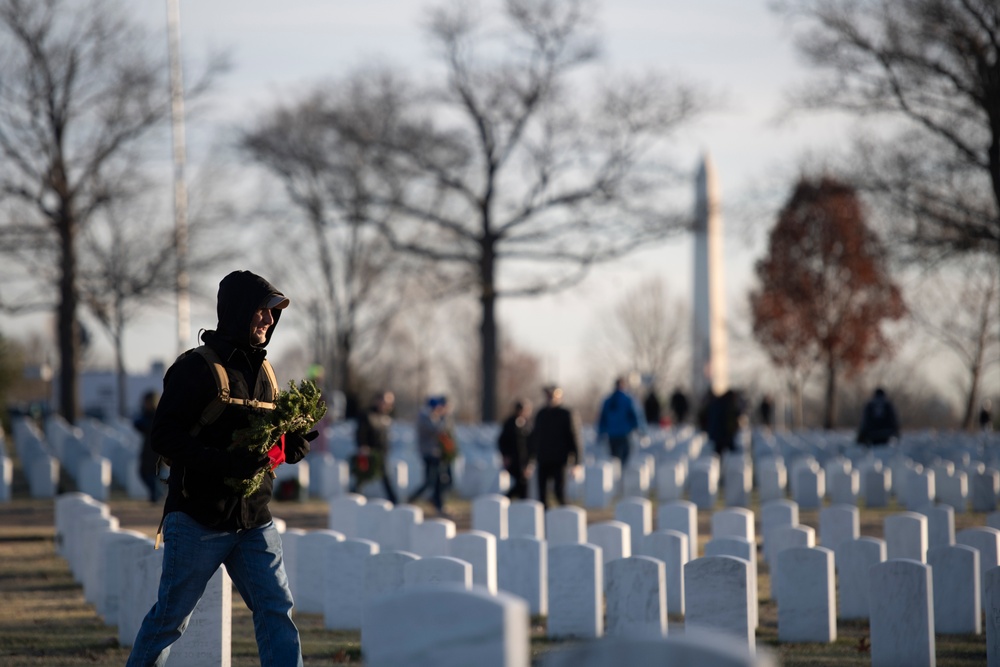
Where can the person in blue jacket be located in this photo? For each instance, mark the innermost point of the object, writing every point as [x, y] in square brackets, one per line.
[620, 417]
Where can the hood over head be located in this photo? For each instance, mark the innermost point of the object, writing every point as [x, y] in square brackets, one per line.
[241, 294]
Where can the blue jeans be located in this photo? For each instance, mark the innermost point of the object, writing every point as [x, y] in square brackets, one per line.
[192, 554]
[433, 481]
[619, 446]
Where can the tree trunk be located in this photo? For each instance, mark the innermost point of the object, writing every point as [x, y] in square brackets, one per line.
[830, 404]
[69, 342]
[488, 334]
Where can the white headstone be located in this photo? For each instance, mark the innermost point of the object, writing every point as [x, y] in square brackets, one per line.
[772, 479]
[957, 585]
[328, 476]
[987, 540]
[437, 570]
[844, 486]
[566, 525]
[739, 483]
[526, 518]
[984, 487]
[991, 604]
[598, 485]
[489, 514]
[810, 487]
[373, 521]
[902, 614]
[576, 590]
[669, 546]
[877, 482]
[636, 597]
[344, 596]
[920, 489]
[312, 568]
[613, 537]
[676, 650]
[775, 514]
[384, 574]
[523, 570]
[789, 537]
[343, 515]
[734, 522]
[717, 597]
[208, 638]
[806, 583]
[837, 524]
[906, 536]
[113, 572]
[738, 548]
[670, 478]
[402, 519]
[703, 484]
[290, 557]
[6, 478]
[682, 516]
[432, 537]
[854, 559]
[940, 525]
[139, 587]
[446, 626]
[953, 490]
[94, 477]
[479, 549]
[637, 513]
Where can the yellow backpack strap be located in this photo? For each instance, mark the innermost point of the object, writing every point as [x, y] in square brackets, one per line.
[272, 379]
[222, 398]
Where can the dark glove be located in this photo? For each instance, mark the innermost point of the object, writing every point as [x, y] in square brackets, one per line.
[243, 464]
[297, 445]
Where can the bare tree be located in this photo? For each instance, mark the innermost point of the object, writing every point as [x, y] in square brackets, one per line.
[127, 263]
[645, 332]
[934, 67]
[962, 312]
[79, 94]
[502, 171]
[328, 178]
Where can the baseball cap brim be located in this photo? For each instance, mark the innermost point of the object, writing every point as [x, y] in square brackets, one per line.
[278, 301]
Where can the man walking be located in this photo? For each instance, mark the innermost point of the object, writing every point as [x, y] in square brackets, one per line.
[554, 439]
[206, 522]
[620, 417]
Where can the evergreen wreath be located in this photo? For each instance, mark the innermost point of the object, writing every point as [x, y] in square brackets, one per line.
[295, 411]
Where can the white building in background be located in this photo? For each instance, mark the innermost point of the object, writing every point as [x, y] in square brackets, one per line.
[99, 391]
[709, 344]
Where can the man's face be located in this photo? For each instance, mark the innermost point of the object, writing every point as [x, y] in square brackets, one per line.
[261, 322]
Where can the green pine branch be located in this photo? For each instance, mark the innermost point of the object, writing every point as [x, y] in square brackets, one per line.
[295, 411]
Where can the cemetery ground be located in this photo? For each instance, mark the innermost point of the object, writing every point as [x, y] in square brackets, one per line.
[44, 619]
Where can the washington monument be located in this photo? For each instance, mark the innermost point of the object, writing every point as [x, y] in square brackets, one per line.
[709, 348]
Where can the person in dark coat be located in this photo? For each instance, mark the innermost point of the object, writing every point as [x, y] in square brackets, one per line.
[148, 459]
[513, 445]
[679, 405]
[554, 440]
[207, 522]
[651, 406]
[372, 437]
[879, 423]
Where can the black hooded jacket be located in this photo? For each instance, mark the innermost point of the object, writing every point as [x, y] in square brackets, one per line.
[198, 462]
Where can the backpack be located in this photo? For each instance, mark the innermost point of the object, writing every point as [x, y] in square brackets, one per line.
[216, 406]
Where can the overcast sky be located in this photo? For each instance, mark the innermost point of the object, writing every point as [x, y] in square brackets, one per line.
[737, 48]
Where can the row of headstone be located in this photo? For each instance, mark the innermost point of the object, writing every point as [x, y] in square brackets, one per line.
[119, 571]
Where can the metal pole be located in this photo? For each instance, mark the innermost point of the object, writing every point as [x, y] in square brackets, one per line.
[180, 187]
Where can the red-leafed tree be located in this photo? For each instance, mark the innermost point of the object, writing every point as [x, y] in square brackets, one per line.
[825, 290]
